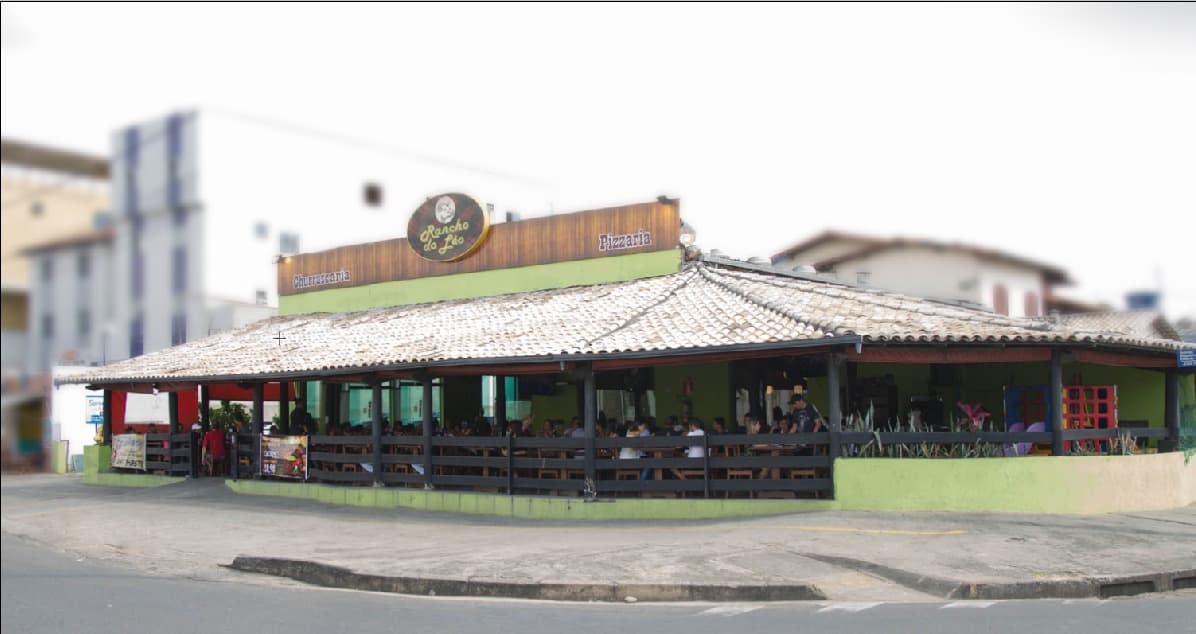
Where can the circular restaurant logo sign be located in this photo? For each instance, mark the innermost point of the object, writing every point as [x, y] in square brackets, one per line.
[447, 227]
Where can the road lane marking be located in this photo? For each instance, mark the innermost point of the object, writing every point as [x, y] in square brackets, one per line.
[848, 606]
[729, 610]
[969, 604]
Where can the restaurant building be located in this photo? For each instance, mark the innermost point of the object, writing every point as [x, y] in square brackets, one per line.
[414, 355]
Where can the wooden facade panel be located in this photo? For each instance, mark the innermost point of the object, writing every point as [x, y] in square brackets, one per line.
[560, 238]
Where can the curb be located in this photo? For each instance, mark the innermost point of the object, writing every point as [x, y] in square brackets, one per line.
[335, 577]
[1068, 588]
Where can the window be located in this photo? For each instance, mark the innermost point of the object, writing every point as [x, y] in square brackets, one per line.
[288, 243]
[136, 337]
[863, 278]
[84, 323]
[137, 276]
[260, 297]
[48, 326]
[261, 231]
[372, 195]
[178, 330]
[47, 270]
[1000, 299]
[179, 272]
[83, 265]
[38, 209]
[1032, 304]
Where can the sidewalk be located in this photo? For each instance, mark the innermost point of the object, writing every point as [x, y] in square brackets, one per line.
[196, 528]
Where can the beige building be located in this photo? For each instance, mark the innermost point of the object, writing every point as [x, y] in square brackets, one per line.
[47, 195]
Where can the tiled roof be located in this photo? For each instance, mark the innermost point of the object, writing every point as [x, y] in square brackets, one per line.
[704, 306]
[1135, 323]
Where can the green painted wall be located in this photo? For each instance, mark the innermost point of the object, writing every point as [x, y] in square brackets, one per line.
[1063, 485]
[60, 456]
[558, 407]
[528, 507]
[96, 459]
[484, 283]
[1031, 484]
[1139, 392]
[711, 395]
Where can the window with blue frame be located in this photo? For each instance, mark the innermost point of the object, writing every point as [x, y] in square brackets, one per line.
[137, 276]
[179, 272]
[136, 337]
[178, 330]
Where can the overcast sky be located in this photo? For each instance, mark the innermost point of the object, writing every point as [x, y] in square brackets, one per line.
[1064, 133]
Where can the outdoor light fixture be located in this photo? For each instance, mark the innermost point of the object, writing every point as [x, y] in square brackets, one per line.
[688, 236]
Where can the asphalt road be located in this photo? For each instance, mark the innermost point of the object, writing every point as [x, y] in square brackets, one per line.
[46, 591]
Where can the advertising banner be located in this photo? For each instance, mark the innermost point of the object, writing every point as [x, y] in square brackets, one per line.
[284, 456]
[128, 451]
[95, 409]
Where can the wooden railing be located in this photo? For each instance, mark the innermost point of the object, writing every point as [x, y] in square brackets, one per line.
[171, 454]
[729, 465]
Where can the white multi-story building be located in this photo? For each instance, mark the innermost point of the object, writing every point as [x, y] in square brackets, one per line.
[1003, 282]
[205, 202]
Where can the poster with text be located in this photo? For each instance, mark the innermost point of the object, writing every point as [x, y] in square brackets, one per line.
[284, 456]
[128, 451]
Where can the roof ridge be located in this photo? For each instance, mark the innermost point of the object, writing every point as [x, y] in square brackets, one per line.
[937, 308]
[685, 280]
[773, 306]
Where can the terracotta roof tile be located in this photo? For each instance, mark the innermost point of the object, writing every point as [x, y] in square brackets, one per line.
[702, 306]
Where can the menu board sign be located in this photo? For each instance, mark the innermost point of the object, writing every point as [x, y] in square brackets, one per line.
[284, 456]
[128, 451]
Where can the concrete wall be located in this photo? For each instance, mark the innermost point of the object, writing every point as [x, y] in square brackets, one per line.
[1067, 484]
[528, 507]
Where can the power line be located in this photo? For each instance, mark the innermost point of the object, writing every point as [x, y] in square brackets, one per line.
[374, 146]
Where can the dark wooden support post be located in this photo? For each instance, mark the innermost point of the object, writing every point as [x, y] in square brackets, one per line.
[510, 464]
[205, 409]
[173, 412]
[705, 466]
[1055, 402]
[500, 404]
[284, 407]
[835, 411]
[376, 409]
[259, 425]
[591, 417]
[853, 379]
[427, 408]
[107, 425]
[1171, 393]
[333, 409]
[756, 396]
[259, 408]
